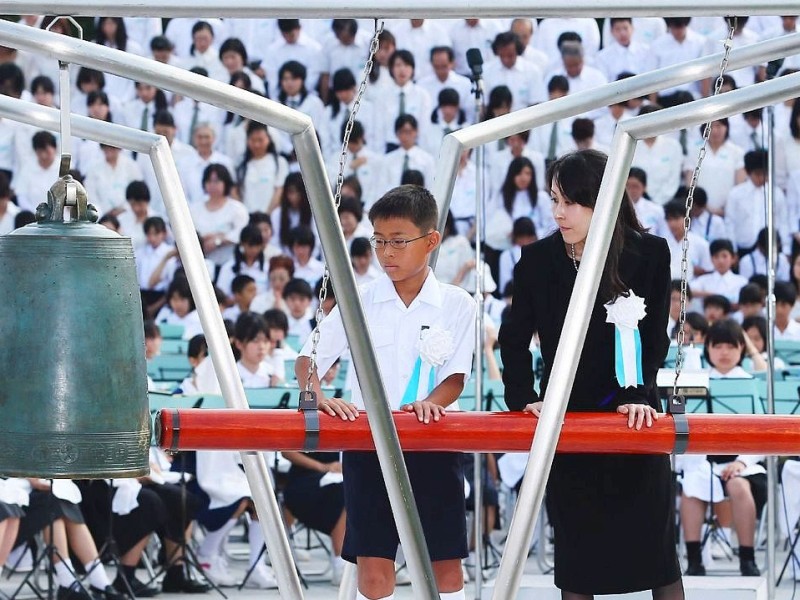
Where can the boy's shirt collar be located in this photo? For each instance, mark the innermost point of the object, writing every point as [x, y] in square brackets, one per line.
[429, 294]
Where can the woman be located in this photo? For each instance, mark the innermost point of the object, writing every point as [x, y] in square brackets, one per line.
[613, 516]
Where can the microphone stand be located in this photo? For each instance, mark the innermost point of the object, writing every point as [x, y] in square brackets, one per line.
[476, 67]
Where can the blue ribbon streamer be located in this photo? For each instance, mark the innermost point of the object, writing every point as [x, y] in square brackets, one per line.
[410, 395]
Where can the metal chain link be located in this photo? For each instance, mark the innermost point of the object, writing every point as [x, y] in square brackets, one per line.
[337, 197]
[687, 220]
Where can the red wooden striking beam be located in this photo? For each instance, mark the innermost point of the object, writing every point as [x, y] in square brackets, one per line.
[227, 429]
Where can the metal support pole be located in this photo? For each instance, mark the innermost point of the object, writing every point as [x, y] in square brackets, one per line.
[316, 9]
[477, 480]
[772, 478]
[387, 444]
[540, 459]
[255, 466]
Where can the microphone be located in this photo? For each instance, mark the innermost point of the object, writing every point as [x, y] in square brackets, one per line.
[475, 62]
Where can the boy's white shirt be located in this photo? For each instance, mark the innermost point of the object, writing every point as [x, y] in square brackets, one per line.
[395, 331]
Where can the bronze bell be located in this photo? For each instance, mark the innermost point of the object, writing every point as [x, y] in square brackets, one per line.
[73, 391]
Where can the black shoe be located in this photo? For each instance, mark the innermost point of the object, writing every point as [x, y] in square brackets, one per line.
[74, 592]
[107, 593]
[176, 582]
[139, 588]
[695, 569]
[748, 568]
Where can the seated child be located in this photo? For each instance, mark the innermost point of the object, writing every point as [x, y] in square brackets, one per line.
[248, 259]
[362, 257]
[252, 343]
[739, 479]
[721, 281]
[305, 265]
[751, 303]
[180, 309]
[298, 296]
[244, 290]
[197, 351]
[278, 326]
[786, 328]
[716, 307]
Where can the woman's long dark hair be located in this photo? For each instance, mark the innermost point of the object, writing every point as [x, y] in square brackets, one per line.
[293, 181]
[241, 170]
[578, 176]
[250, 236]
[120, 38]
[509, 188]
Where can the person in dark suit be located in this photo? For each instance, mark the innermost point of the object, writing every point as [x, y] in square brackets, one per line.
[613, 515]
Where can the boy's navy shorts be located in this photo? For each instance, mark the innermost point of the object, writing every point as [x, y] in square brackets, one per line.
[437, 479]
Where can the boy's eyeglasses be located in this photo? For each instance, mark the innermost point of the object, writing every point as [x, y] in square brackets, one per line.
[397, 244]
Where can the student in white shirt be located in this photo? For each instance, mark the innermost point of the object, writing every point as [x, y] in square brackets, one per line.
[189, 114]
[456, 256]
[741, 479]
[661, 157]
[516, 145]
[363, 163]
[573, 66]
[446, 118]
[524, 233]
[473, 33]
[35, 179]
[305, 265]
[180, 309]
[112, 33]
[722, 281]
[420, 36]
[298, 295]
[627, 54]
[248, 259]
[294, 44]
[8, 210]
[786, 328]
[133, 218]
[442, 60]
[204, 52]
[705, 223]
[555, 139]
[522, 77]
[351, 218]
[745, 213]
[402, 97]
[341, 105]
[408, 156]
[262, 174]
[650, 214]
[346, 47]
[294, 210]
[220, 219]
[699, 252]
[755, 263]
[251, 339]
[679, 44]
[148, 257]
[107, 180]
[293, 92]
[362, 258]
[140, 112]
[723, 166]
[743, 36]
[550, 29]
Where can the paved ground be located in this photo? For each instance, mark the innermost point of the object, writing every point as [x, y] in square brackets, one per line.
[314, 567]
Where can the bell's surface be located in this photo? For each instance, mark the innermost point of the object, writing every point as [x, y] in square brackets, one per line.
[73, 398]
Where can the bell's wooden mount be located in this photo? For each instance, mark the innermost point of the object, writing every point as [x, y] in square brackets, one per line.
[603, 433]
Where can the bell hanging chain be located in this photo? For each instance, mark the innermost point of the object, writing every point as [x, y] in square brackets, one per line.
[687, 220]
[337, 197]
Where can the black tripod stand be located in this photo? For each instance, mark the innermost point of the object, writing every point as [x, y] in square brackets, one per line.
[47, 555]
[184, 551]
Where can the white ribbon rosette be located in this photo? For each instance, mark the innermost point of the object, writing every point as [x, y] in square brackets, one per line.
[435, 347]
[625, 313]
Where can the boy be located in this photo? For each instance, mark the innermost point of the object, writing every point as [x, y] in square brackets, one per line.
[745, 214]
[716, 307]
[786, 328]
[699, 252]
[280, 352]
[298, 296]
[722, 280]
[131, 221]
[751, 303]
[400, 306]
[361, 256]
[523, 232]
[407, 156]
[244, 290]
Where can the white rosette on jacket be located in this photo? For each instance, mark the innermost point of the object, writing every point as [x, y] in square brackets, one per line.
[625, 313]
[435, 347]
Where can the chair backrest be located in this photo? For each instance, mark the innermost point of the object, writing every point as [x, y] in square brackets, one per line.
[788, 350]
[171, 332]
[274, 397]
[735, 396]
[172, 346]
[787, 396]
[169, 367]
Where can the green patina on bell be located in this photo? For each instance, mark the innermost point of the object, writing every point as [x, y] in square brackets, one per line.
[73, 380]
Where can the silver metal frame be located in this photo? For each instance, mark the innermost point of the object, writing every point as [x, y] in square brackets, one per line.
[309, 156]
[415, 8]
[586, 284]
